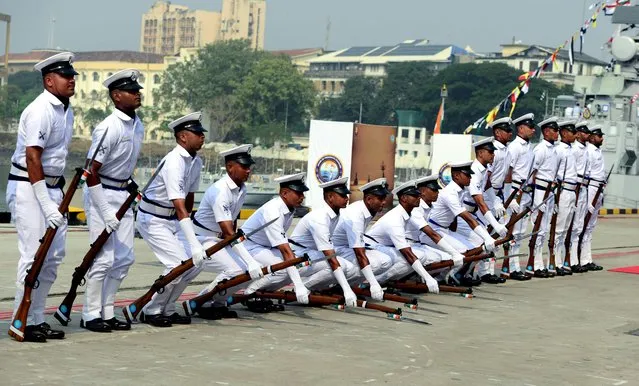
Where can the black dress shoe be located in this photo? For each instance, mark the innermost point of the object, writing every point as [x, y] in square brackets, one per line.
[561, 272]
[567, 270]
[501, 280]
[549, 273]
[118, 325]
[519, 276]
[490, 279]
[49, 333]
[33, 334]
[541, 274]
[158, 320]
[176, 318]
[467, 281]
[216, 313]
[578, 269]
[593, 267]
[95, 325]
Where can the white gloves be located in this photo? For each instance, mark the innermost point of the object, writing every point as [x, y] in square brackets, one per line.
[198, 253]
[498, 208]
[111, 223]
[591, 208]
[458, 258]
[489, 242]
[350, 300]
[376, 290]
[514, 206]
[253, 267]
[499, 228]
[433, 287]
[542, 208]
[49, 208]
[300, 290]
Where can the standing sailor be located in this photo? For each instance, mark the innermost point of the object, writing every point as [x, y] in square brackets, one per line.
[568, 185]
[104, 193]
[165, 210]
[596, 178]
[580, 156]
[216, 219]
[34, 190]
[313, 234]
[520, 156]
[348, 237]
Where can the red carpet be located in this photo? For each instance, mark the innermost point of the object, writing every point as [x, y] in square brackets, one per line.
[632, 269]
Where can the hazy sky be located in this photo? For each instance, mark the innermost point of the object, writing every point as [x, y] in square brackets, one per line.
[84, 25]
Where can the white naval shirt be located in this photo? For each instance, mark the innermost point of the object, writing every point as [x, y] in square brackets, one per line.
[566, 164]
[390, 229]
[448, 206]
[179, 176]
[580, 155]
[418, 220]
[45, 123]
[353, 221]
[520, 156]
[596, 169]
[476, 187]
[500, 165]
[222, 201]
[121, 147]
[274, 234]
[545, 161]
[314, 230]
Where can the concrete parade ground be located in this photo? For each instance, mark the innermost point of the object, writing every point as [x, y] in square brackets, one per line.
[573, 330]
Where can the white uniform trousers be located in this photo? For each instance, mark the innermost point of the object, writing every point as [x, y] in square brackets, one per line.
[565, 211]
[473, 240]
[378, 261]
[112, 263]
[578, 225]
[544, 228]
[586, 244]
[322, 276]
[162, 236]
[311, 275]
[31, 226]
[400, 267]
[518, 230]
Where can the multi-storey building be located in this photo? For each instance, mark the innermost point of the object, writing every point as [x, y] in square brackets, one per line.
[244, 19]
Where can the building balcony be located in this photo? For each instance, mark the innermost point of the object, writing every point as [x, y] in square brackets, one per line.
[340, 74]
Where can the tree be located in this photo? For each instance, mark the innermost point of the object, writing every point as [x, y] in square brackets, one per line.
[359, 91]
[22, 89]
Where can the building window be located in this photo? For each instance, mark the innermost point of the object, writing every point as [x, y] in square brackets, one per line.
[415, 154]
[581, 69]
[84, 76]
[323, 85]
[403, 153]
[109, 74]
[565, 67]
[521, 65]
[532, 66]
[405, 133]
[418, 137]
[96, 77]
[141, 78]
[94, 95]
[82, 95]
[156, 79]
[332, 86]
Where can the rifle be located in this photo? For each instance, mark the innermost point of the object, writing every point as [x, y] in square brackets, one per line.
[518, 192]
[420, 288]
[595, 200]
[508, 239]
[531, 244]
[19, 322]
[410, 303]
[63, 314]
[568, 241]
[132, 310]
[553, 222]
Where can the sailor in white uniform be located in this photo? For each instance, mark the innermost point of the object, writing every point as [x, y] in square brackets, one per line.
[579, 153]
[449, 207]
[34, 190]
[597, 175]
[312, 236]
[270, 245]
[497, 170]
[216, 219]
[104, 193]
[520, 156]
[165, 211]
[348, 236]
[388, 235]
[545, 173]
[567, 179]
[473, 199]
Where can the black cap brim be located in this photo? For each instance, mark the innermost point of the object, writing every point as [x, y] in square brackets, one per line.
[245, 160]
[503, 126]
[300, 188]
[378, 191]
[466, 171]
[128, 87]
[412, 191]
[433, 185]
[343, 190]
[570, 128]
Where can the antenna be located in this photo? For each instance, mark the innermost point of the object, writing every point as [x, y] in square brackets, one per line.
[51, 40]
[328, 33]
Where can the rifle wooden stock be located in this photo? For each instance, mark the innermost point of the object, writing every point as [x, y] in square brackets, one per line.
[64, 310]
[133, 310]
[192, 305]
[414, 287]
[409, 302]
[553, 227]
[19, 322]
[480, 249]
[512, 196]
[530, 265]
[568, 242]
